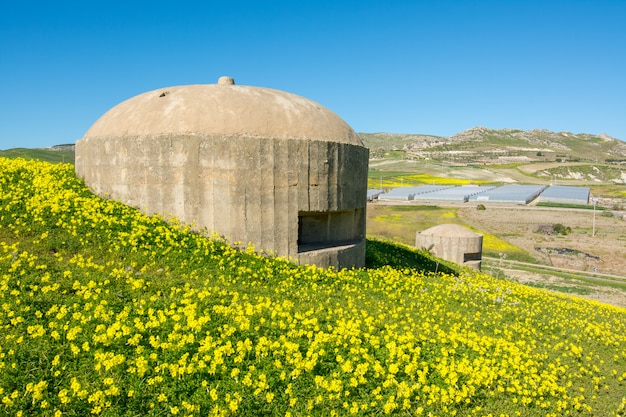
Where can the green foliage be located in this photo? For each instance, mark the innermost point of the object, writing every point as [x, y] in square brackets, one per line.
[569, 206]
[384, 253]
[559, 229]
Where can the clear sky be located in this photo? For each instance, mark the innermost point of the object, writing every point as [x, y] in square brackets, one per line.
[434, 67]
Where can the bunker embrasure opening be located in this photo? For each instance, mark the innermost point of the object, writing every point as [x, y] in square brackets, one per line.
[318, 230]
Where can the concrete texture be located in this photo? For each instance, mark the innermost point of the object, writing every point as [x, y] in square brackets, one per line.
[453, 243]
[255, 165]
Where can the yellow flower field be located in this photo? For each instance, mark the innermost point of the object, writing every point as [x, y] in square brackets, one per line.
[105, 311]
[411, 180]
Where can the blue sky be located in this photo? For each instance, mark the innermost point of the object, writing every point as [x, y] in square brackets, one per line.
[431, 67]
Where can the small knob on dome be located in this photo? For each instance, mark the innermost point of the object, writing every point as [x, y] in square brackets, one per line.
[226, 81]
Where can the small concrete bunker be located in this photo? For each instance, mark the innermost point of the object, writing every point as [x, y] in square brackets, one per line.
[255, 165]
[453, 243]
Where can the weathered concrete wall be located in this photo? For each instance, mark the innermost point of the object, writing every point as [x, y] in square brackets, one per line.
[463, 250]
[249, 189]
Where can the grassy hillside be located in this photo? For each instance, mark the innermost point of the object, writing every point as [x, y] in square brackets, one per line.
[484, 145]
[105, 311]
[63, 154]
[481, 155]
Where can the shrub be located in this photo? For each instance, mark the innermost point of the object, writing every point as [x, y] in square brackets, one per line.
[559, 229]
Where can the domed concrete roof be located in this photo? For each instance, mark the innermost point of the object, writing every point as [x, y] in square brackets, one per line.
[449, 230]
[223, 109]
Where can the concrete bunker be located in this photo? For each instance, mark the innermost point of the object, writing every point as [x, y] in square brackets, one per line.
[253, 164]
[453, 243]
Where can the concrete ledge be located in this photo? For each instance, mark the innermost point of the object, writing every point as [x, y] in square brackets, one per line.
[345, 256]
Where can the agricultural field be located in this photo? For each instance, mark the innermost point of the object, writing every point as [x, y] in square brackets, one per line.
[401, 172]
[106, 311]
[608, 181]
[578, 249]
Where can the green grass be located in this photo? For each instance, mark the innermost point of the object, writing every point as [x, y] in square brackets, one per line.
[570, 206]
[382, 253]
[40, 155]
[561, 288]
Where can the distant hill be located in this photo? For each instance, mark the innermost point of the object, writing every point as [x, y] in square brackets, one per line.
[484, 145]
[54, 154]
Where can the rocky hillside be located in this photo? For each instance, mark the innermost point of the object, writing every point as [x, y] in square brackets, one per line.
[484, 145]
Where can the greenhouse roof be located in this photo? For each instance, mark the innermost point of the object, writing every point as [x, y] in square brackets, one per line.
[462, 193]
[409, 193]
[566, 194]
[522, 194]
